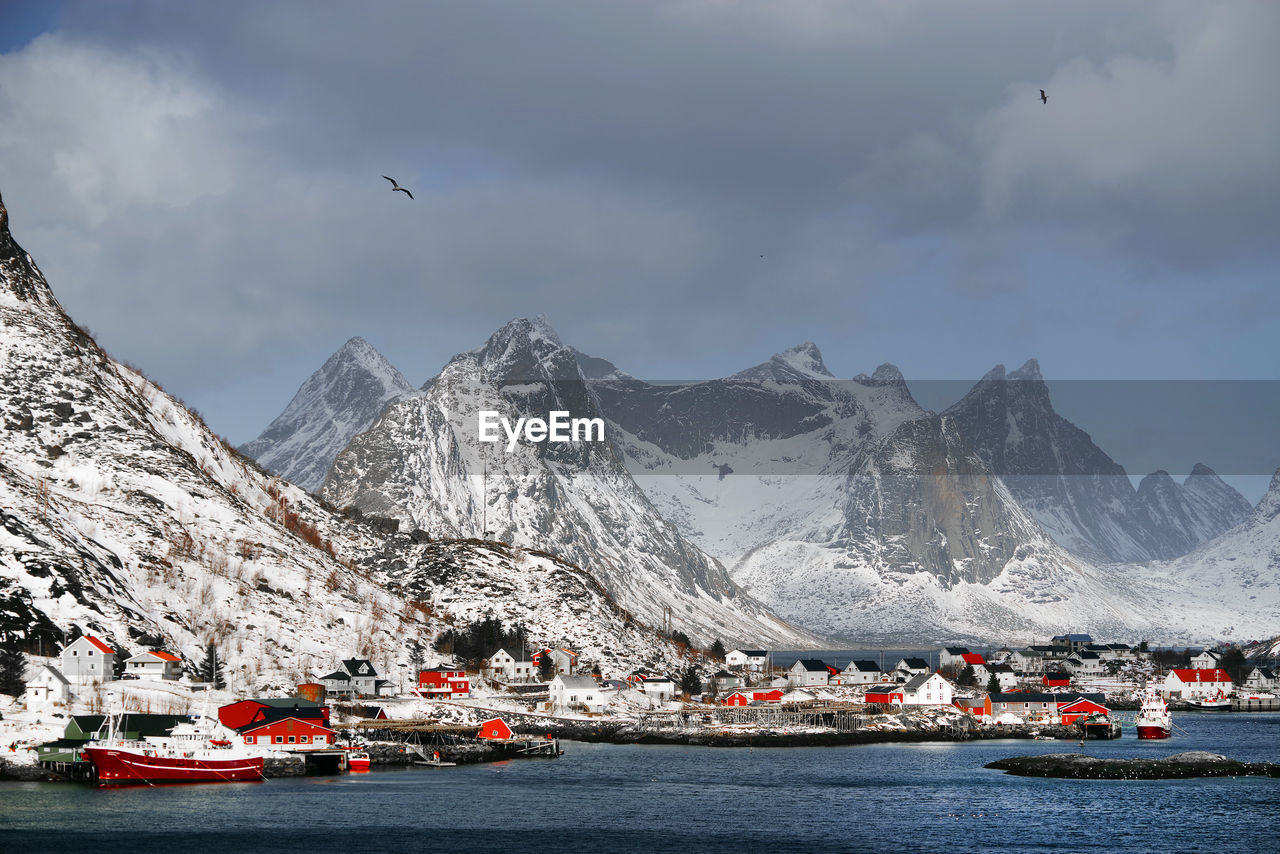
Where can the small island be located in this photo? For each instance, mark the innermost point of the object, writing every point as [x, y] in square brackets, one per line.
[1077, 766]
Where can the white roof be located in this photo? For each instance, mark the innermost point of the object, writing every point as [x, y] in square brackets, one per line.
[575, 681]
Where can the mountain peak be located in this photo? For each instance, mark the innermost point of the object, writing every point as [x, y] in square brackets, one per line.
[1030, 370]
[996, 374]
[806, 358]
[1202, 470]
[888, 373]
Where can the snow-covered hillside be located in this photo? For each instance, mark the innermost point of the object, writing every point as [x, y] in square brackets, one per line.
[423, 462]
[122, 515]
[335, 403]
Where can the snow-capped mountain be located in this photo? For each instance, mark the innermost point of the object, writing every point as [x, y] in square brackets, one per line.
[851, 511]
[335, 403]
[1183, 515]
[423, 462]
[123, 515]
[1081, 496]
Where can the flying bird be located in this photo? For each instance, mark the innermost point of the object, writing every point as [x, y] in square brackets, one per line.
[1043, 98]
[395, 186]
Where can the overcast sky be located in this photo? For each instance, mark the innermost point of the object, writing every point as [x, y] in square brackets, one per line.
[684, 187]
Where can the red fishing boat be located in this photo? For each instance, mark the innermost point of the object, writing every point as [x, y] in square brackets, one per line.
[191, 753]
[358, 760]
[1154, 719]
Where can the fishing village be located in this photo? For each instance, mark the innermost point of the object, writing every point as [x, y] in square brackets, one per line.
[153, 721]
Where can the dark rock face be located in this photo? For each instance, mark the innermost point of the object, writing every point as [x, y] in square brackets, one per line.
[1081, 496]
[1077, 766]
[336, 403]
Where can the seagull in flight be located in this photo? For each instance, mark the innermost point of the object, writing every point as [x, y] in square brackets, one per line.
[1043, 98]
[395, 186]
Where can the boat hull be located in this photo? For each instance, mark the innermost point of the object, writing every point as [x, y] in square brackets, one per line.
[1152, 731]
[124, 767]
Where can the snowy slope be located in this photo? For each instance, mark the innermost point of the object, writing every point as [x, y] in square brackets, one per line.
[123, 515]
[335, 403]
[423, 463]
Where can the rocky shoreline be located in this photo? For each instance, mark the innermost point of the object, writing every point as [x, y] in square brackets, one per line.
[1077, 766]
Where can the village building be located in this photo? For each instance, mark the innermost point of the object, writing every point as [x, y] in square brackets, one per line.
[753, 660]
[798, 695]
[563, 660]
[658, 687]
[494, 729]
[444, 683]
[47, 687]
[884, 694]
[1195, 683]
[773, 695]
[1005, 677]
[1080, 708]
[808, 671]
[723, 680]
[577, 693]
[156, 664]
[355, 677]
[1085, 665]
[737, 698]
[289, 734]
[504, 664]
[1034, 707]
[952, 656]
[860, 673]
[1027, 661]
[927, 689]
[244, 713]
[87, 659]
[1067, 644]
[1056, 679]
[1261, 680]
[908, 667]
[1206, 660]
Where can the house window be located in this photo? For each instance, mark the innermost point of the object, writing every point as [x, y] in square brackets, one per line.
[293, 739]
[304, 739]
[279, 739]
[250, 739]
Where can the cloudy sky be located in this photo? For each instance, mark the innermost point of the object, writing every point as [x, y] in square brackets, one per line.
[683, 186]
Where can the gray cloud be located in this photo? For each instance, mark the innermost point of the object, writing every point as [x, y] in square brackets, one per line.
[201, 182]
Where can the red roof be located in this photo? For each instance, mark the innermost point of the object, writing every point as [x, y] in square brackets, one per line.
[973, 658]
[1187, 674]
[287, 725]
[102, 647]
[163, 656]
[1081, 704]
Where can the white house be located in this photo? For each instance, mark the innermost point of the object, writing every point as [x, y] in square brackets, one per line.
[563, 660]
[952, 655]
[1085, 665]
[1027, 660]
[1207, 660]
[660, 688]
[355, 677]
[908, 667]
[87, 659]
[860, 673]
[576, 693]
[755, 660]
[1261, 679]
[505, 664]
[46, 687]
[155, 664]
[808, 671]
[1004, 675]
[927, 689]
[1191, 683]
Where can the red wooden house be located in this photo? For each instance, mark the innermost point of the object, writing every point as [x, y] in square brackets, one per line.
[973, 659]
[443, 683]
[1078, 709]
[495, 728]
[242, 713]
[289, 734]
[884, 694]
[774, 696]
[737, 698]
[1056, 680]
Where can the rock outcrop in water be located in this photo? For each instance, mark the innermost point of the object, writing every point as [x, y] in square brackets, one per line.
[1077, 766]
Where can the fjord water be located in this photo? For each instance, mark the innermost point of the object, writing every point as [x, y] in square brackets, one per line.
[920, 797]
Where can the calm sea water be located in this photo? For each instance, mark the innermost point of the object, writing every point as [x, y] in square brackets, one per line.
[893, 798]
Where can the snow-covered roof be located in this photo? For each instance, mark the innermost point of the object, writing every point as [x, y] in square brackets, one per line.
[576, 682]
